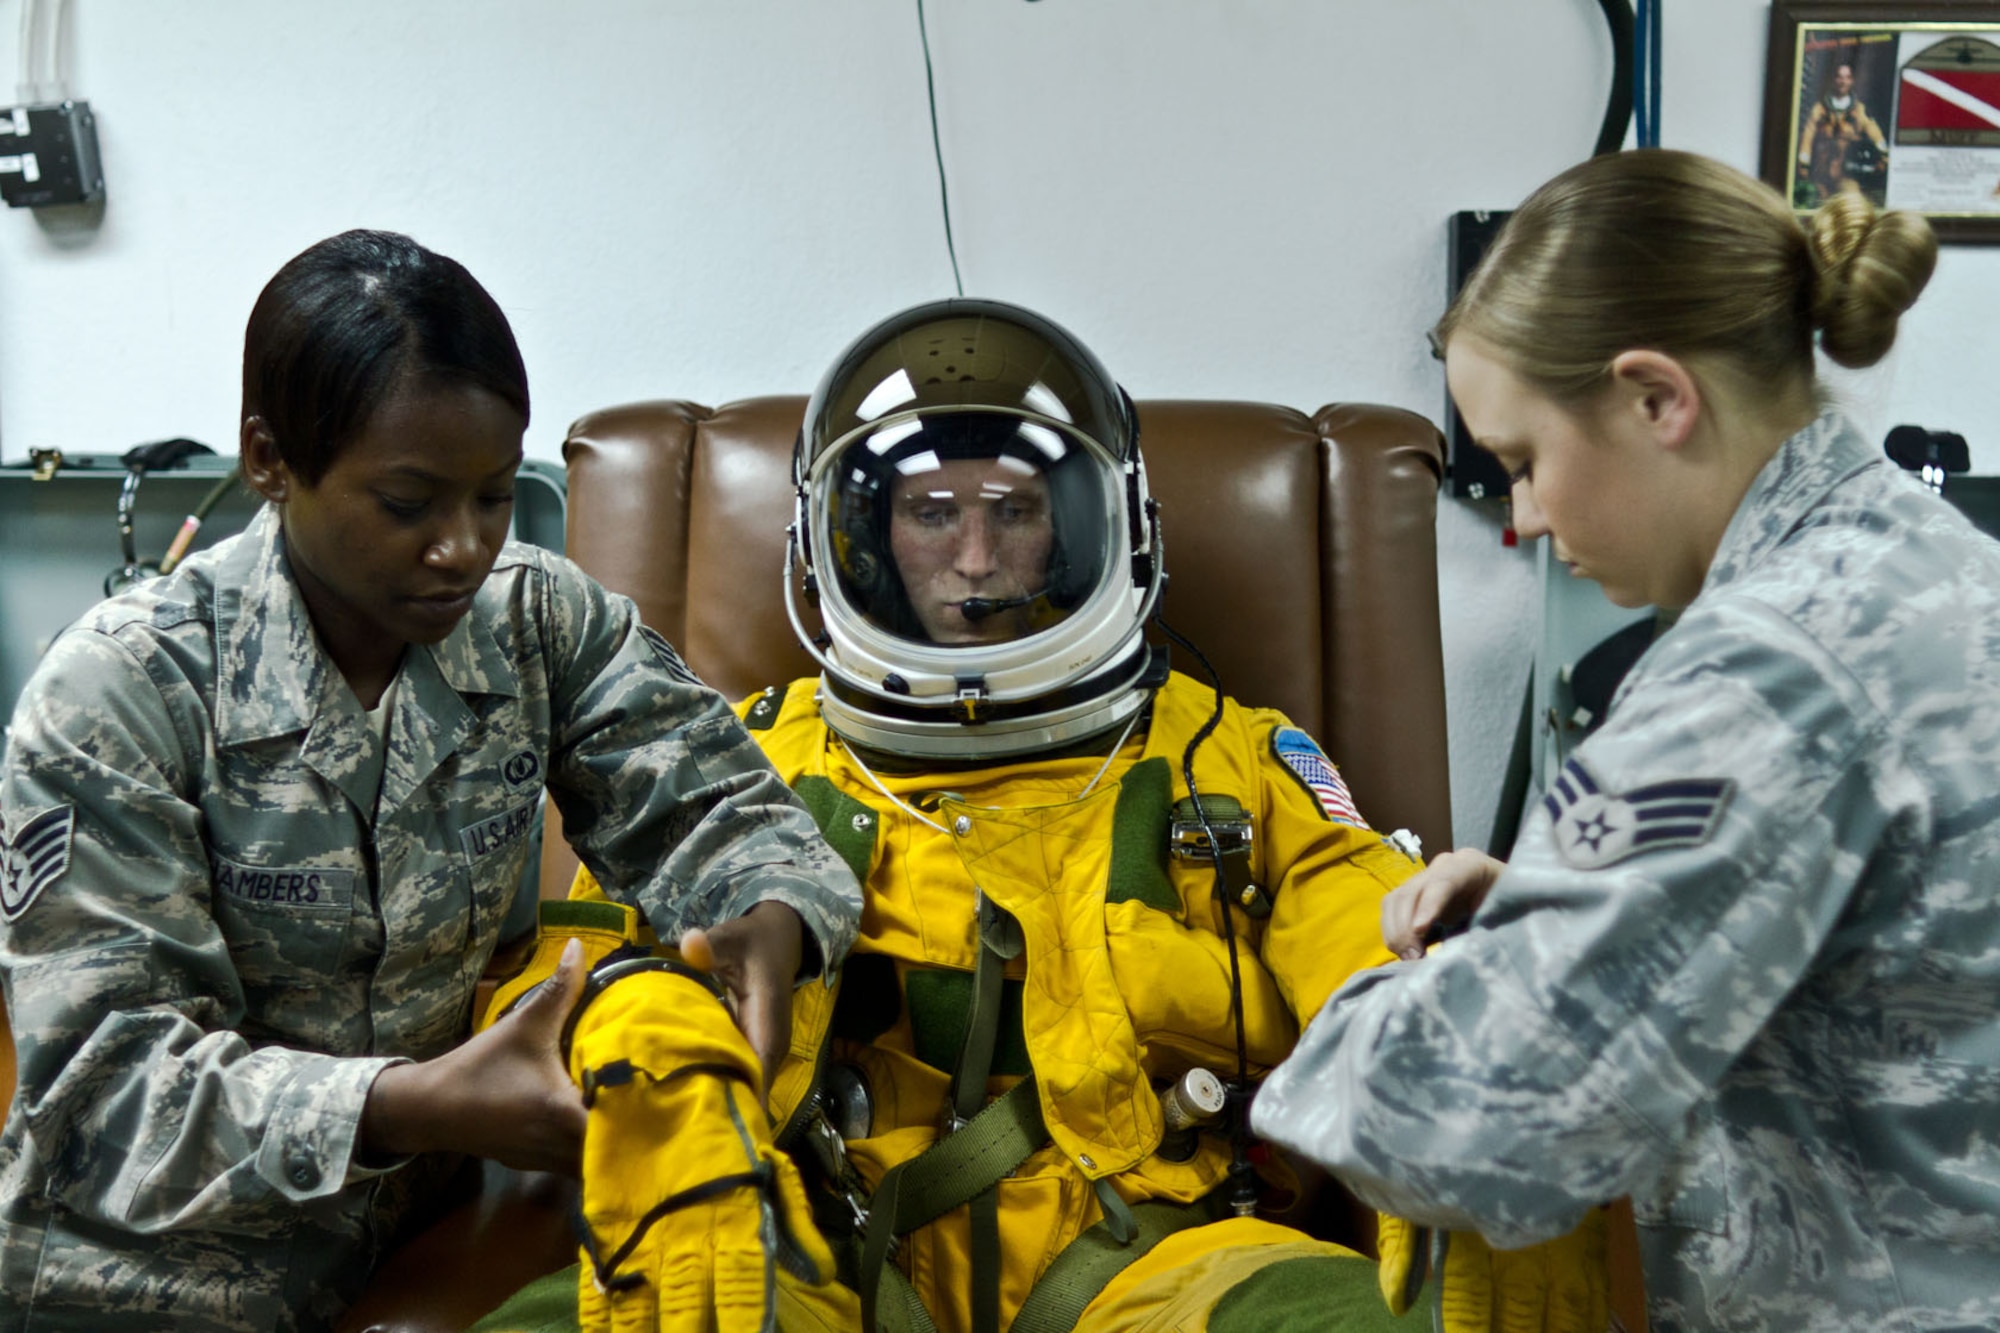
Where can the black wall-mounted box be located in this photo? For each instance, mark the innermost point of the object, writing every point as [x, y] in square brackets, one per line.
[1475, 474]
[48, 155]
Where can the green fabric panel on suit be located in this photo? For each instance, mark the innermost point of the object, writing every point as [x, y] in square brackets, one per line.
[847, 825]
[583, 914]
[1320, 1293]
[940, 1006]
[1139, 838]
[546, 1305]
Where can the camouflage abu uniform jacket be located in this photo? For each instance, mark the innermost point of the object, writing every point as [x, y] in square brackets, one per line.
[215, 936]
[1745, 963]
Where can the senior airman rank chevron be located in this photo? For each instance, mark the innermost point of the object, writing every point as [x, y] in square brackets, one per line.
[33, 858]
[1316, 773]
[1598, 828]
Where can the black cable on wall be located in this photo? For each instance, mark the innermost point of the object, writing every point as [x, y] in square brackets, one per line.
[937, 149]
[1617, 107]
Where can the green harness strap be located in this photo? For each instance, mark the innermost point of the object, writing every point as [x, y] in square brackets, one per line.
[1088, 1263]
[965, 1167]
[947, 1175]
[1000, 939]
[903, 1311]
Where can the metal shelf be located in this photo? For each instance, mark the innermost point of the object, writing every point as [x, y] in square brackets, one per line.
[59, 538]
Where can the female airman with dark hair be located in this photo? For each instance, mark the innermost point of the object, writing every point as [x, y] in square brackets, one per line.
[263, 820]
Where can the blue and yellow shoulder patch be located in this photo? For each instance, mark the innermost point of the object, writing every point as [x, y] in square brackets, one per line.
[1305, 761]
[1596, 828]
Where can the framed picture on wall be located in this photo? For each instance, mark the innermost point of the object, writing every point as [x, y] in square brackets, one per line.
[1900, 101]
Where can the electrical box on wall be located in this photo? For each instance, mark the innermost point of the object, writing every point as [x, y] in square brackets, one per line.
[48, 155]
[1475, 474]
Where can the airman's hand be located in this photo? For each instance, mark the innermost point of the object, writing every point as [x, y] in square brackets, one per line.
[1443, 893]
[756, 958]
[505, 1093]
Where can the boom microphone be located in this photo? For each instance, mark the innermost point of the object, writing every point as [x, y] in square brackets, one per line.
[976, 609]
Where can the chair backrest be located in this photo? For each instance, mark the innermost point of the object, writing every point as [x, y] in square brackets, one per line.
[1300, 552]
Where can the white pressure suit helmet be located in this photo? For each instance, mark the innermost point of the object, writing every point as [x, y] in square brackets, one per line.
[975, 532]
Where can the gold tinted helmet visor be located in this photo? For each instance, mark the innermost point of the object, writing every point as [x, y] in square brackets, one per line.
[975, 532]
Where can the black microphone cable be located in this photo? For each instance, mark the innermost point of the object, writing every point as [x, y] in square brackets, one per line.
[1242, 1175]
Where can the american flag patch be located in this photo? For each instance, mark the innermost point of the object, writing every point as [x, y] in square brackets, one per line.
[34, 858]
[1596, 828]
[1308, 763]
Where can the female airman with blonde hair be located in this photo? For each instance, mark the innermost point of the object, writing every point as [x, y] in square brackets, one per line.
[1742, 963]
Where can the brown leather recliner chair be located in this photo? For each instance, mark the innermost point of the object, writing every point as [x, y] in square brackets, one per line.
[1301, 558]
[1300, 554]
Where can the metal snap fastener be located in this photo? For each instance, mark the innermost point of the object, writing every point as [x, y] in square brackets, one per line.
[962, 825]
[861, 822]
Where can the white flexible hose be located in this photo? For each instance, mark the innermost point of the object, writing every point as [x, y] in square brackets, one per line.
[24, 85]
[55, 84]
[41, 77]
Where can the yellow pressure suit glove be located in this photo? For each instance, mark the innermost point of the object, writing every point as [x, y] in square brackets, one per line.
[688, 1209]
[1559, 1286]
[601, 927]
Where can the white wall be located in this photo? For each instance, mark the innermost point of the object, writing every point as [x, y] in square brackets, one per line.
[1223, 197]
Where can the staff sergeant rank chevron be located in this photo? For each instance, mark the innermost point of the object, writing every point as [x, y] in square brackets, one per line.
[33, 858]
[1595, 828]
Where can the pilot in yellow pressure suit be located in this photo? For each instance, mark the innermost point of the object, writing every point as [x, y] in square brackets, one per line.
[1021, 1105]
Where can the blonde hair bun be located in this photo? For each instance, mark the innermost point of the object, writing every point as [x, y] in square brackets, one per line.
[1689, 256]
[1868, 268]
